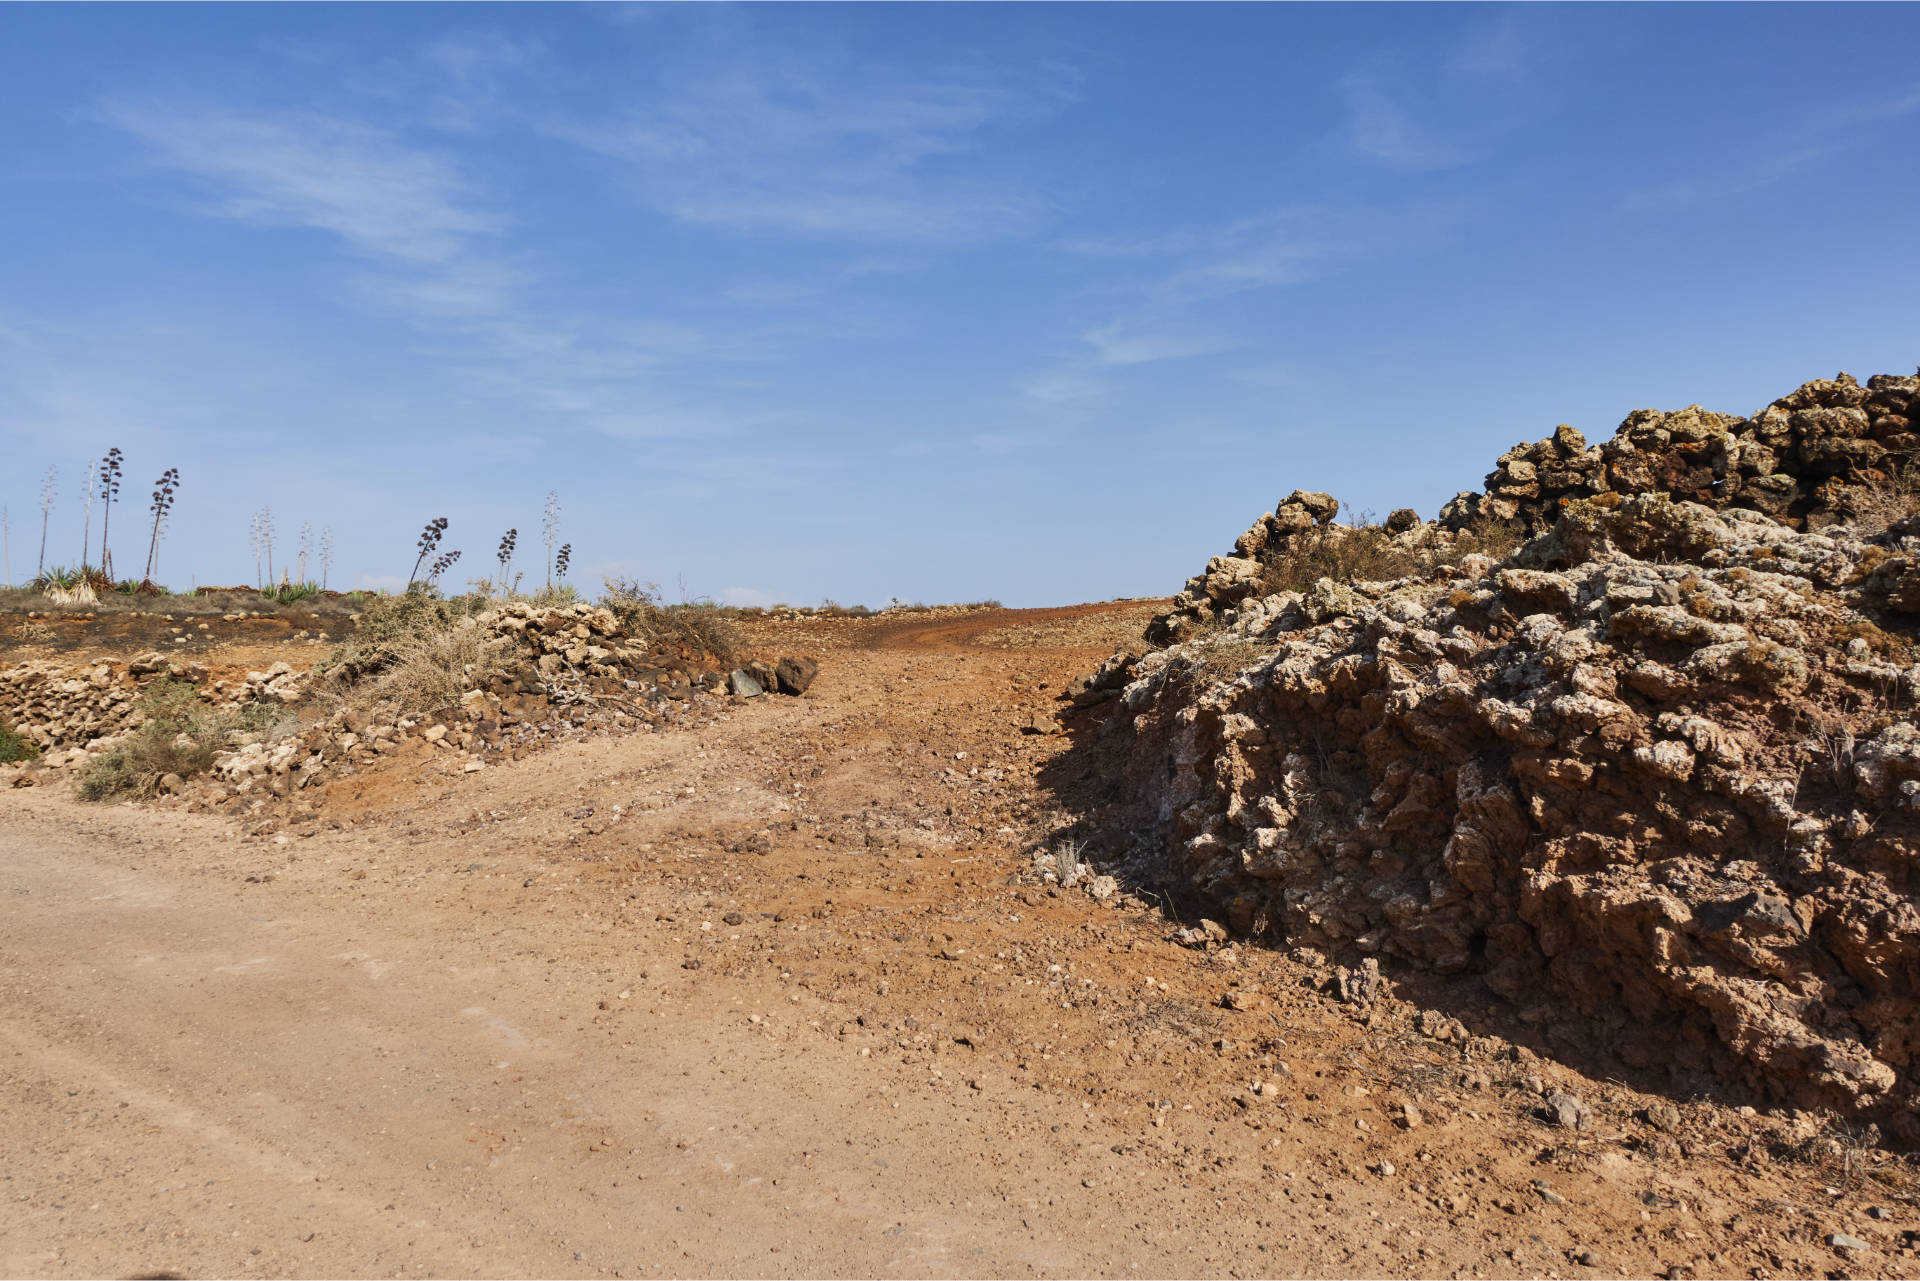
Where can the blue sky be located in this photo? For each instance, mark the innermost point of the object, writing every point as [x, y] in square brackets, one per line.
[929, 302]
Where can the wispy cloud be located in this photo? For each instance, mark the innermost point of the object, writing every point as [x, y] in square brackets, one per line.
[1207, 266]
[1790, 153]
[380, 196]
[1381, 129]
[777, 144]
[1065, 387]
[1142, 340]
[1177, 305]
[433, 254]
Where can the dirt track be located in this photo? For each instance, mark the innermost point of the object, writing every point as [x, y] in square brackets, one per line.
[768, 997]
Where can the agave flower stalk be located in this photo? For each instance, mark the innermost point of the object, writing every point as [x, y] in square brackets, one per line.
[505, 557]
[441, 566]
[550, 530]
[111, 468]
[47, 490]
[163, 493]
[429, 539]
[86, 525]
[561, 561]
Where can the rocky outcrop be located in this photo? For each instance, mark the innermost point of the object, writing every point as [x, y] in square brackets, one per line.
[1654, 778]
[1830, 452]
[1800, 460]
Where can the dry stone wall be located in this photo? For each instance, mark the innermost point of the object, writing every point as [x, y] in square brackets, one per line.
[567, 672]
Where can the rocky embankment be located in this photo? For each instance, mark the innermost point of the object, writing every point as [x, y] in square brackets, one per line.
[1652, 777]
[555, 673]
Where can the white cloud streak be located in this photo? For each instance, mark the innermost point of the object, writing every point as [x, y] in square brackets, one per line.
[784, 147]
[381, 197]
[1382, 130]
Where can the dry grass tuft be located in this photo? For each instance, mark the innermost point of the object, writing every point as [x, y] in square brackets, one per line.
[387, 625]
[1894, 649]
[427, 671]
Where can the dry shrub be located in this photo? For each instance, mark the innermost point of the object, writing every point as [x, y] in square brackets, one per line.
[181, 735]
[427, 671]
[1883, 498]
[387, 625]
[702, 626]
[1364, 551]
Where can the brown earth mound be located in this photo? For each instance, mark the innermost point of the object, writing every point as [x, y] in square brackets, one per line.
[1651, 778]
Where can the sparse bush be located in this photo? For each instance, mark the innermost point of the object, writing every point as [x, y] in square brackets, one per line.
[1068, 860]
[14, 746]
[1364, 551]
[703, 626]
[181, 735]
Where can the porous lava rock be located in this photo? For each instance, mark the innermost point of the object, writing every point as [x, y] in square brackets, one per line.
[1653, 778]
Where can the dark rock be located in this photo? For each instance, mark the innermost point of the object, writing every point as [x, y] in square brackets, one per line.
[796, 674]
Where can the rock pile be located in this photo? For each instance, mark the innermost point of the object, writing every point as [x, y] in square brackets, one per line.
[1655, 778]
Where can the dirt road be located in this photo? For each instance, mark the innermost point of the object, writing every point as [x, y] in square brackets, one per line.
[775, 995]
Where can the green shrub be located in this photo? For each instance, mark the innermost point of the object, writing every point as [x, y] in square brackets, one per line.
[62, 578]
[288, 593]
[14, 746]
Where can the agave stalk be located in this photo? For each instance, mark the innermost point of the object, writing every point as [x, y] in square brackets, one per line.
[110, 469]
[505, 557]
[86, 525]
[46, 513]
[266, 541]
[550, 531]
[162, 503]
[441, 566]
[429, 539]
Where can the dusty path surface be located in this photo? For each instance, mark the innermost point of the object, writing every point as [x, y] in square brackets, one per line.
[778, 995]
